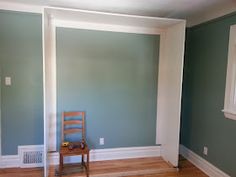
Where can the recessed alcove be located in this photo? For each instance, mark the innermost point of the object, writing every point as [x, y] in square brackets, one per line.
[170, 69]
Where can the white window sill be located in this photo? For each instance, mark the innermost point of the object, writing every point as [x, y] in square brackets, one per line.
[229, 114]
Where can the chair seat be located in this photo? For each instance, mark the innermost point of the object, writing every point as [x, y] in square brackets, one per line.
[65, 151]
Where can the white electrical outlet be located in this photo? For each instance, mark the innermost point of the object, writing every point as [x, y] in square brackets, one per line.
[101, 141]
[8, 81]
[205, 150]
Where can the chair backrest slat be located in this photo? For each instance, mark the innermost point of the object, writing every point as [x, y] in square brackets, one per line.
[73, 122]
[72, 130]
[72, 114]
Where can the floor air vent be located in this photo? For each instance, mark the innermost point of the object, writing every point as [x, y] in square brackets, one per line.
[31, 156]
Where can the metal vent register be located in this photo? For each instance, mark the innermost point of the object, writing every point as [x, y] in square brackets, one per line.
[31, 156]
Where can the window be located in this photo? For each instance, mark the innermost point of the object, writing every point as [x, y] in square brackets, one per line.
[230, 90]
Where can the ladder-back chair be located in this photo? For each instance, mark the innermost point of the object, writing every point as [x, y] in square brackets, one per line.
[74, 123]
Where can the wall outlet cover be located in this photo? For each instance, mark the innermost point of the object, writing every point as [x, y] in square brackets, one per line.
[7, 80]
[101, 141]
[205, 150]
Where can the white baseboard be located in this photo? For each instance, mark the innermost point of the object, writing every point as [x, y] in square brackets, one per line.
[201, 163]
[111, 154]
[9, 161]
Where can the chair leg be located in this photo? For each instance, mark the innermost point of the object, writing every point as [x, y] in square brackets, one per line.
[61, 165]
[87, 169]
[82, 159]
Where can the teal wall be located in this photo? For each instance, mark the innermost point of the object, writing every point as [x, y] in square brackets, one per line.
[113, 77]
[203, 123]
[21, 59]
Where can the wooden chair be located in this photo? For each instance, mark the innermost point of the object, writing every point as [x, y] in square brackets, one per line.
[73, 123]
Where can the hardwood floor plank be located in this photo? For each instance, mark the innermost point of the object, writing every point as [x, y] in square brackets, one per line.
[139, 167]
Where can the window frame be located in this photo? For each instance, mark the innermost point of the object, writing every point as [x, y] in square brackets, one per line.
[230, 89]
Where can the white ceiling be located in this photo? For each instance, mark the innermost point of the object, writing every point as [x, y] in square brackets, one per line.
[195, 11]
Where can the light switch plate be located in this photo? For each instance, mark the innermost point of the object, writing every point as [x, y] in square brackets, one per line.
[7, 80]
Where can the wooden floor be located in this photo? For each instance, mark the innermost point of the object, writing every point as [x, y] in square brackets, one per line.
[141, 167]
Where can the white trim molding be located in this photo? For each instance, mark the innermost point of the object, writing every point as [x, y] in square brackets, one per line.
[230, 88]
[211, 13]
[20, 7]
[201, 163]
[173, 31]
[229, 114]
[195, 19]
[107, 27]
[9, 161]
[111, 154]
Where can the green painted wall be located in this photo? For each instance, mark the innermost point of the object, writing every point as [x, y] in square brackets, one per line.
[203, 123]
[21, 59]
[113, 77]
